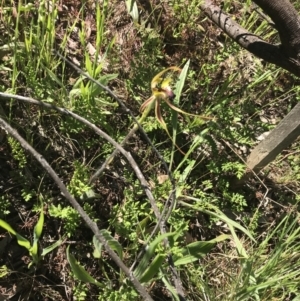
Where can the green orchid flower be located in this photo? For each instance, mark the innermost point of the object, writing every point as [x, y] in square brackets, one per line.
[162, 91]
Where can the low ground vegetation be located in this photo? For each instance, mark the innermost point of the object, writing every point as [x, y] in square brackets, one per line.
[228, 241]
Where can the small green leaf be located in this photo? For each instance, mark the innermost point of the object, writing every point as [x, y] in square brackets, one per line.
[198, 249]
[96, 253]
[180, 82]
[169, 287]
[148, 254]
[104, 80]
[219, 214]
[194, 252]
[132, 10]
[111, 241]
[79, 272]
[98, 247]
[54, 77]
[33, 251]
[22, 241]
[152, 269]
[7, 227]
[88, 64]
[187, 171]
[3, 271]
[142, 224]
[51, 247]
[38, 229]
[89, 195]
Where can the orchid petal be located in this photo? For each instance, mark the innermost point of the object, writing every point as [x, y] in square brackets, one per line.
[185, 113]
[147, 103]
[159, 116]
[163, 124]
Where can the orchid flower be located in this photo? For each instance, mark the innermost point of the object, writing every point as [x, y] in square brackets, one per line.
[165, 93]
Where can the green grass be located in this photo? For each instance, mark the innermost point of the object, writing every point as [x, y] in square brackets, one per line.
[235, 244]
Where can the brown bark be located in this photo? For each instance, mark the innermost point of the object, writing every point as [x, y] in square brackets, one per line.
[287, 22]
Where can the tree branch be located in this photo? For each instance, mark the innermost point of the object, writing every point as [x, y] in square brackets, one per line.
[287, 22]
[275, 54]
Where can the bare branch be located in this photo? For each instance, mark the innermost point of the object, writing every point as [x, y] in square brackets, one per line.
[287, 22]
[274, 54]
[99, 171]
